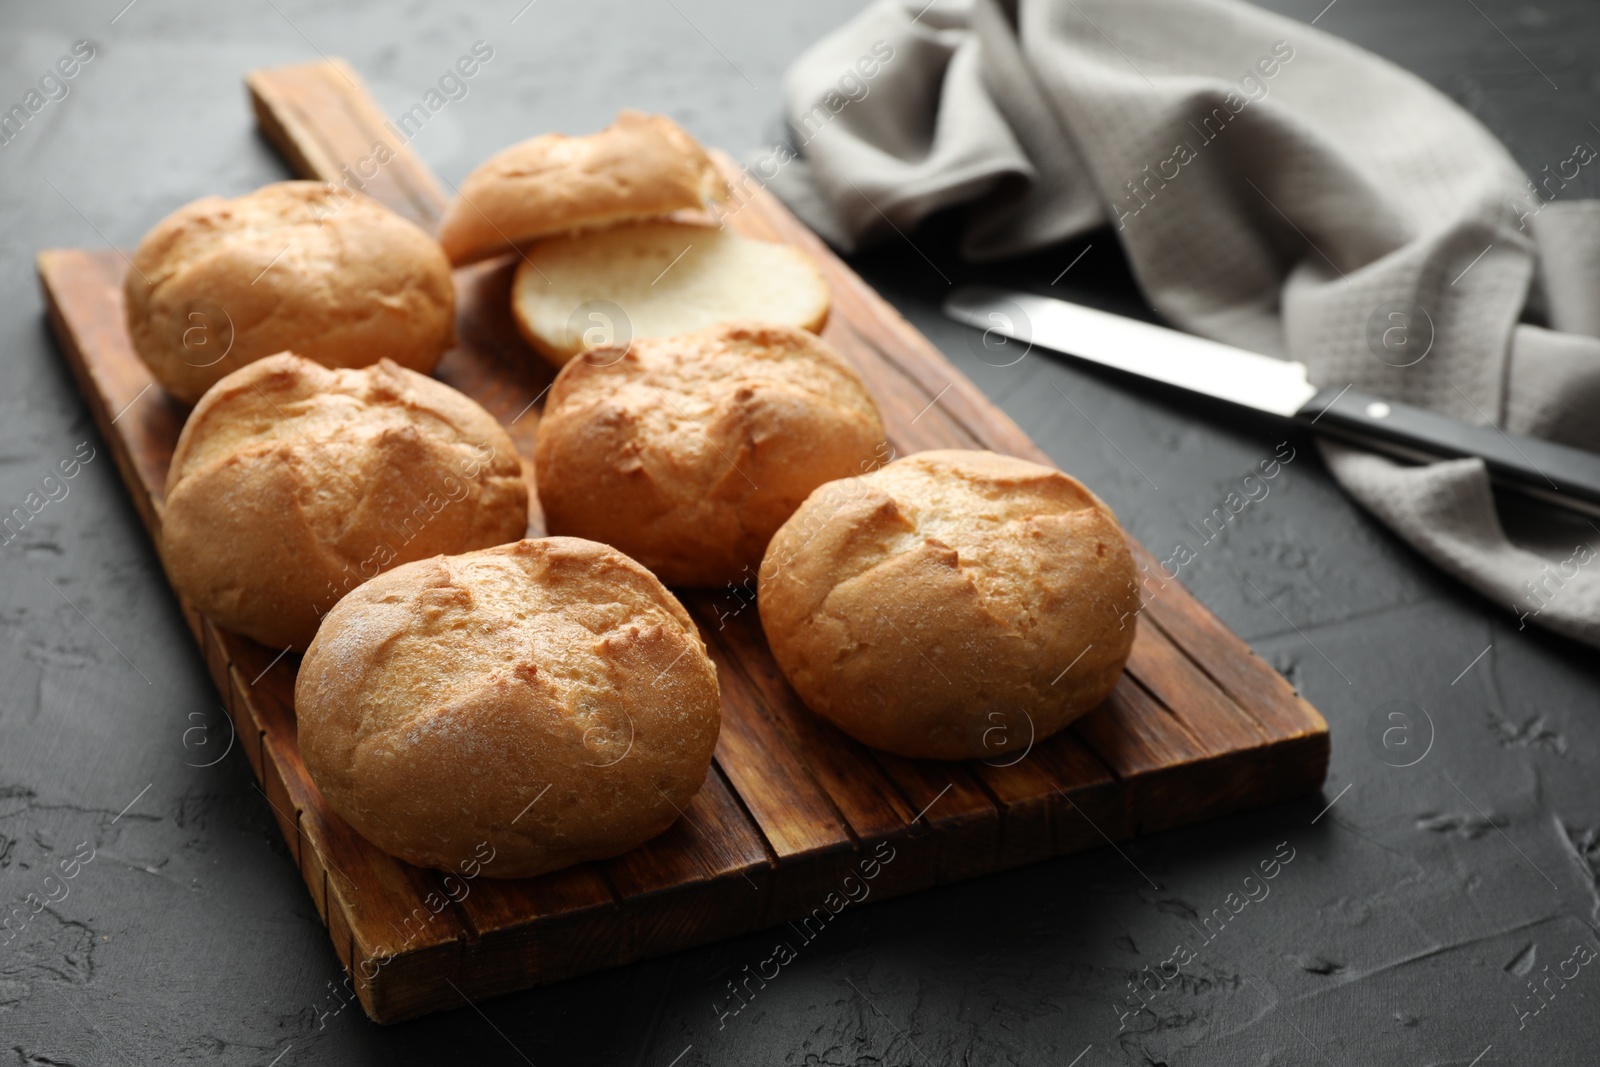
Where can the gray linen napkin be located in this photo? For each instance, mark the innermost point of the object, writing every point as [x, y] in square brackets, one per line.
[1273, 187]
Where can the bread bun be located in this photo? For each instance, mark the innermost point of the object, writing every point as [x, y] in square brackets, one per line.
[658, 279]
[951, 605]
[291, 484]
[688, 452]
[640, 166]
[293, 266]
[542, 703]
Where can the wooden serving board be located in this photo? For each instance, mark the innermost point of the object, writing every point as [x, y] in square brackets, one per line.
[1198, 727]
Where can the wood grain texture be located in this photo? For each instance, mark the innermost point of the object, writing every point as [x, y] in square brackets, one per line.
[1198, 727]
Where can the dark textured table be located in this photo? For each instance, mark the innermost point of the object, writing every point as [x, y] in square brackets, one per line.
[1413, 924]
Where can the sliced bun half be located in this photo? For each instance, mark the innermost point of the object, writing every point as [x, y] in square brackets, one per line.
[658, 279]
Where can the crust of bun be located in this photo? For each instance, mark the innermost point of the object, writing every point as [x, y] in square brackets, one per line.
[689, 452]
[525, 708]
[639, 167]
[951, 605]
[291, 484]
[293, 266]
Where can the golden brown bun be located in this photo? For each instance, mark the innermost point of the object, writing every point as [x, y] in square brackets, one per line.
[687, 453]
[658, 279]
[933, 608]
[639, 166]
[546, 701]
[293, 266]
[291, 484]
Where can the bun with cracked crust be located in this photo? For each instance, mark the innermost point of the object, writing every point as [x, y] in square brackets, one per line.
[952, 605]
[689, 452]
[541, 703]
[291, 484]
[293, 266]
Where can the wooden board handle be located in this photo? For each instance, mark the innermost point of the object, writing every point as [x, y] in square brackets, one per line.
[320, 116]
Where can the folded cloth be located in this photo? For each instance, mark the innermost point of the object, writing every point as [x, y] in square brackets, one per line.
[1273, 187]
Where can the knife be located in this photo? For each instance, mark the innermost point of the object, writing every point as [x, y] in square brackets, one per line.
[1566, 477]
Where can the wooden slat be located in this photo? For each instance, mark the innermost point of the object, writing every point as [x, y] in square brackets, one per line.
[870, 803]
[1198, 726]
[1210, 716]
[1133, 734]
[1264, 694]
[1090, 805]
[863, 794]
[83, 294]
[957, 816]
[529, 931]
[247, 733]
[707, 877]
[1169, 778]
[1029, 787]
[794, 813]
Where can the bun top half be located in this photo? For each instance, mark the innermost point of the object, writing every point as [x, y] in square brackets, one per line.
[641, 166]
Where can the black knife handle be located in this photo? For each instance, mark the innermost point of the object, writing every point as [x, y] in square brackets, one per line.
[1559, 475]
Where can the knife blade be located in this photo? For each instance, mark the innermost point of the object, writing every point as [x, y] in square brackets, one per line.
[1555, 474]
